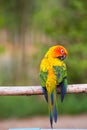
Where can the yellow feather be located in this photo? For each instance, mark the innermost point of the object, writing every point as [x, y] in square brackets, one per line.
[51, 81]
[50, 62]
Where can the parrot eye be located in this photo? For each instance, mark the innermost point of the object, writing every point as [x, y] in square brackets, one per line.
[62, 51]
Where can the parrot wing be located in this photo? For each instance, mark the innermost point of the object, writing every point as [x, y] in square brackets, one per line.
[61, 74]
[63, 87]
[43, 79]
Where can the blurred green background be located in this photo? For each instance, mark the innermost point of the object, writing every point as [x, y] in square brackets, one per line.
[27, 29]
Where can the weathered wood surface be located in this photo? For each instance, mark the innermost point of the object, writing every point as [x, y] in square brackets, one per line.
[37, 90]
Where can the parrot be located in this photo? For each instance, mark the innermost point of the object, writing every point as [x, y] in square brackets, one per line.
[53, 78]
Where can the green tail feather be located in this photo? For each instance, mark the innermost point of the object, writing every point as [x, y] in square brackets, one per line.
[50, 110]
[52, 103]
[51, 118]
[55, 106]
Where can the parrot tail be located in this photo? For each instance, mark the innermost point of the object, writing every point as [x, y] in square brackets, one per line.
[55, 114]
[51, 119]
[55, 106]
[52, 107]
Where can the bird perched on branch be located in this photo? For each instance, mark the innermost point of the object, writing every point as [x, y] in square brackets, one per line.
[53, 75]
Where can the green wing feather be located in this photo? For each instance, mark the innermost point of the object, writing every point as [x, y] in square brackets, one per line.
[43, 78]
[61, 74]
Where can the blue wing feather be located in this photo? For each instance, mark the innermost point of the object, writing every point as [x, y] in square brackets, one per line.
[45, 93]
[63, 89]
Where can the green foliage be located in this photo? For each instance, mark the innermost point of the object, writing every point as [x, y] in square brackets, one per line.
[2, 49]
[15, 15]
[73, 104]
[30, 106]
[77, 63]
[21, 106]
[65, 20]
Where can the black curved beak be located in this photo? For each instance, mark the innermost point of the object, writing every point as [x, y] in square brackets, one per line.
[62, 57]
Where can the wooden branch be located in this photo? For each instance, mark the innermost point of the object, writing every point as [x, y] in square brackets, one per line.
[37, 90]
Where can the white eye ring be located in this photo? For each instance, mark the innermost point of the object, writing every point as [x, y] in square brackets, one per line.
[62, 51]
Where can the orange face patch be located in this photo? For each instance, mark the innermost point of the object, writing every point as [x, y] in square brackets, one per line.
[59, 51]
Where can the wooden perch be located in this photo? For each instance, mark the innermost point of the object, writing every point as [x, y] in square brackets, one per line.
[37, 90]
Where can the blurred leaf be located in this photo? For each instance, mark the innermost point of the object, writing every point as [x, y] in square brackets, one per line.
[2, 49]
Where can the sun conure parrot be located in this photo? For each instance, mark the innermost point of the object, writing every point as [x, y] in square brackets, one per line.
[53, 75]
